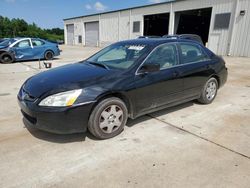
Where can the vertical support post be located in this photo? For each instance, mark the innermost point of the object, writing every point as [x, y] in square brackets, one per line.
[99, 32]
[232, 27]
[65, 34]
[119, 17]
[130, 12]
[171, 20]
[40, 64]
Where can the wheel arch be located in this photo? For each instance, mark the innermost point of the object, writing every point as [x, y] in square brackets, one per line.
[48, 50]
[10, 53]
[119, 95]
[217, 78]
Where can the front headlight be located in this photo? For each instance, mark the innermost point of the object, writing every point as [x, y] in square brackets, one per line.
[61, 99]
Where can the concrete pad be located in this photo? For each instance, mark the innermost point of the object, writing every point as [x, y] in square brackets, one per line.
[227, 120]
[190, 145]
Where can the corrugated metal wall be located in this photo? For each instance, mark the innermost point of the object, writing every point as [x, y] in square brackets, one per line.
[109, 28]
[118, 25]
[78, 30]
[222, 35]
[124, 25]
[241, 37]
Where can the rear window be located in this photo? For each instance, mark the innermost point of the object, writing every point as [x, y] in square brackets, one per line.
[36, 42]
[191, 53]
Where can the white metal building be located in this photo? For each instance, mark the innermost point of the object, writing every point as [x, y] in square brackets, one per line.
[224, 25]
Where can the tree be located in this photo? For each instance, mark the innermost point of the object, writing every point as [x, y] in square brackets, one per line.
[20, 28]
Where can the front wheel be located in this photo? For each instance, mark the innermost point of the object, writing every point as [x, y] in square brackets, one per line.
[6, 58]
[209, 91]
[108, 118]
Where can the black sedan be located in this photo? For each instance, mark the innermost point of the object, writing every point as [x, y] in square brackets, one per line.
[125, 80]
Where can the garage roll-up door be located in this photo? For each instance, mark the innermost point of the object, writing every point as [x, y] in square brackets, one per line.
[70, 34]
[91, 33]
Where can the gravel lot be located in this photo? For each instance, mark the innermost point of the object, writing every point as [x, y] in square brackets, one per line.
[190, 145]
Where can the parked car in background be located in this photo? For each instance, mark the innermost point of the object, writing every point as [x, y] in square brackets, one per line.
[125, 80]
[20, 49]
[60, 42]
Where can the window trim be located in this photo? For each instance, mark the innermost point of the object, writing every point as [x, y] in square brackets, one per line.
[17, 43]
[191, 44]
[177, 57]
[42, 42]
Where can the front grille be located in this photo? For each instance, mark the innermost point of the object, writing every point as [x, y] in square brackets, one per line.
[24, 95]
[29, 118]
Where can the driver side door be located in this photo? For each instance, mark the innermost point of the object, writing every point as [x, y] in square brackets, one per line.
[159, 88]
[23, 50]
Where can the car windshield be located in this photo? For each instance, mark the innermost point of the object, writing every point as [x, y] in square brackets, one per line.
[7, 42]
[119, 56]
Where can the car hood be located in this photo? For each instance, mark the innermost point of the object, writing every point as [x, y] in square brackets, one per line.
[2, 47]
[64, 78]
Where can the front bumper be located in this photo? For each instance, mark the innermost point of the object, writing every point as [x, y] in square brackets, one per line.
[56, 120]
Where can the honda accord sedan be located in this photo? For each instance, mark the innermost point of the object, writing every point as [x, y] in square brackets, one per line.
[125, 80]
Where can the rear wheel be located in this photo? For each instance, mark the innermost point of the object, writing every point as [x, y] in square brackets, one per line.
[108, 118]
[209, 91]
[49, 55]
[6, 58]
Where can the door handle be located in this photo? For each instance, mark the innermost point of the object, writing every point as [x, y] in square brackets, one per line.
[175, 73]
[208, 66]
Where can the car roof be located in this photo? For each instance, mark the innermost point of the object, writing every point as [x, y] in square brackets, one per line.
[155, 41]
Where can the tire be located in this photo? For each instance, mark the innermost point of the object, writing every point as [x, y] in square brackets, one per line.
[49, 55]
[108, 118]
[209, 91]
[6, 58]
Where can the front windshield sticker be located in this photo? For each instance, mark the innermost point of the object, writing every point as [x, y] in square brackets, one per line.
[138, 48]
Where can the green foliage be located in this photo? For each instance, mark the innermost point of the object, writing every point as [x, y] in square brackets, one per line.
[10, 28]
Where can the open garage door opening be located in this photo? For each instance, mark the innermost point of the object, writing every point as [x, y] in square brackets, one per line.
[194, 22]
[156, 25]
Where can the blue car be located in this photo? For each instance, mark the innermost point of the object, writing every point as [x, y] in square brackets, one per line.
[21, 49]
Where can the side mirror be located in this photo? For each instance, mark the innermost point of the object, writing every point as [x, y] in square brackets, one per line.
[151, 67]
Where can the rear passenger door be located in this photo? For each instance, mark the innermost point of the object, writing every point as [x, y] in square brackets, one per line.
[38, 48]
[195, 68]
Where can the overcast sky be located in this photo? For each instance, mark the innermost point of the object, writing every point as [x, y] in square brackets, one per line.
[50, 13]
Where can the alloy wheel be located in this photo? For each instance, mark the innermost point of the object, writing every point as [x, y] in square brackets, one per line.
[111, 119]
[211, 90]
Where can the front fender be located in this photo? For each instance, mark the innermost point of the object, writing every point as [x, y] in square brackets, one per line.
[9, 52]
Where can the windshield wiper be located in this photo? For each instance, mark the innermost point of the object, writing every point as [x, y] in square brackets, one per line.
[98, 64]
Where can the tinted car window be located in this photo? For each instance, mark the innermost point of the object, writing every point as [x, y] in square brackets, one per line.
[114, 54]
[192, 53]
[36, 42]
[119, 56]
[165, 55]
[23, 44]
